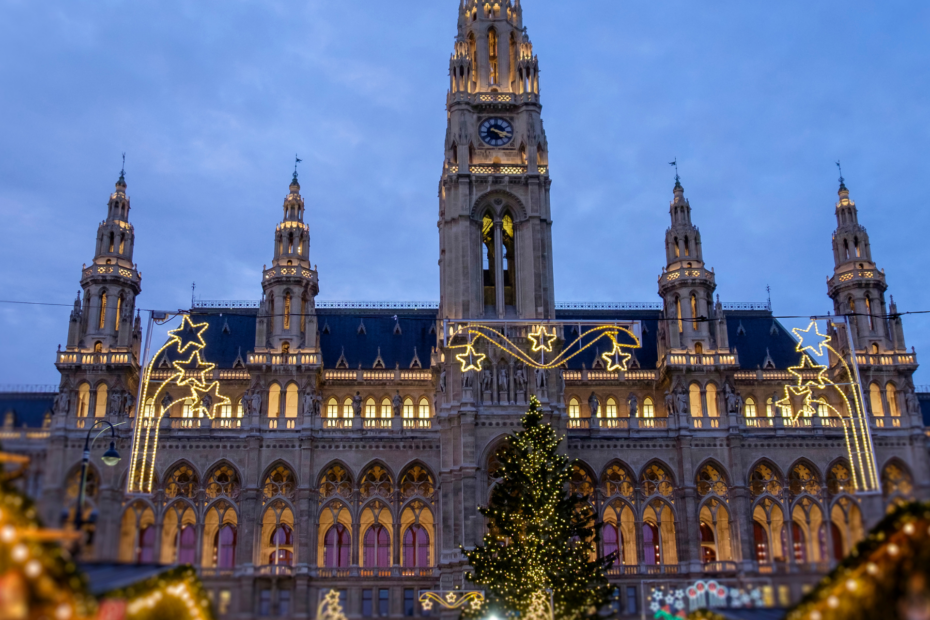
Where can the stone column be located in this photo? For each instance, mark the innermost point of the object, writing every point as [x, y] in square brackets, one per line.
[498, 264]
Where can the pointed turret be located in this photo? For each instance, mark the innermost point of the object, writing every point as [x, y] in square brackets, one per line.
[287, 318]
[686, 285]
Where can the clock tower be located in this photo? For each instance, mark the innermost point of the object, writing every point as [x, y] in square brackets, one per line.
[494, 216]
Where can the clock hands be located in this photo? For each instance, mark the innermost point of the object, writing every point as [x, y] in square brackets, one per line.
[502, 134]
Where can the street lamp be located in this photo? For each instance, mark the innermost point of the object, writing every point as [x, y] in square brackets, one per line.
[110, 458]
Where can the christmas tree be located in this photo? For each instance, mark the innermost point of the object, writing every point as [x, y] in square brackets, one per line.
[540, 537]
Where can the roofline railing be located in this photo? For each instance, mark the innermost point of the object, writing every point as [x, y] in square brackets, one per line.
[29, 388]
[434, 305]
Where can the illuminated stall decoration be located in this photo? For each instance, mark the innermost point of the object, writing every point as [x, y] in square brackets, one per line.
[542, 342]
[668, 602]
[201, 395]
[887, 575]
[812, 383]
[38, 579]
[176, 593]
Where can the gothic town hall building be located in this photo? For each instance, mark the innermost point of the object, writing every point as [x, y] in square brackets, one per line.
[346, 446]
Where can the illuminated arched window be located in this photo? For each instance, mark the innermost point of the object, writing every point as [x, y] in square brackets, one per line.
[574, 409]
[387, 410]
[677, 249]
[761, 540]
[803, 479]
[749, 407]
[868, 311]
[769, 408]
[613, 541]
[651, 554]
[371, 409]
[185, 545]
[103, 310]
[347, 411]
[290, 401]
[694, 312]
[408, 408]
[875, 399]
[332, 408]
[649, 409]
[488, 260]
[424, 409]
[280, 481]
[710, 395]
[610, 411]
[846, 248]
[100, 408]
[492, 56]
[509, 257]
[287, 310]
[336, 546]
[681, 326]
[224, 546]
[282, 543]
[763, 479]
[274, 400]
[694, 397]
[119, 309]
[416, 546]
[377, 547]
[687, 247]
[145, 552]
[83, 400]
[891, 396]
[656, 480]
[856, 246]
[239, 410]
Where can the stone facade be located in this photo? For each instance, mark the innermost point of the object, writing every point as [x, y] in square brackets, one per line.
[354, 451]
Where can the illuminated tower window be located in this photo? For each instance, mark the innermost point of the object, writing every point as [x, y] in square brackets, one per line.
[681, 327]
[119, 308]
[694, 312]
[103, 310]
[287, 311]
[492, 55]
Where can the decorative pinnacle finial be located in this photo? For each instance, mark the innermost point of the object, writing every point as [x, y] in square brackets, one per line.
[297, 160]
[122, 172]
[842, 180]
[674, 163]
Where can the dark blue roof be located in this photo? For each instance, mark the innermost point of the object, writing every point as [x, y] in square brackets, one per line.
[229, 332]
[924, 399]
[340, 334]
[28, 409]
[753, 334]
[647, 355]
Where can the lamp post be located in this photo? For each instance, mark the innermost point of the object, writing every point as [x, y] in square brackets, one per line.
[110, 458]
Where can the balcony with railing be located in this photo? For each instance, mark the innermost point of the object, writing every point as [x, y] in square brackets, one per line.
[886, 359]
[294, 359]
[706, 360]
[77, 358]
[398, 375]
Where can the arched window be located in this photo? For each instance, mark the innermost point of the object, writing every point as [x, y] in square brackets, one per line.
[803, 479]
[386, 410]
[287, 311]
[347, 411]
[282, 540]
[764, 480]
[610, 411]
[769, 408]
[290, 401]
[119, 310]
[508, 256]
[708, 544]
[875, 399]
[846, 248]
[98, 347]
[371, 409]
[856, 246]
[574, 409]
[694, 396]
[279, 481]
[336, 545]
[492, 56]
[100, 408]
[83, 400]
[800, 543]
[681, 325]
[892, 397]
[687, 247]
[649, 409]
[408, 408]
[185, 545]
[103, 310]
[332, 408]
[613, 541]
[223, 481]
[677, 249]
[122, 243]
[651, 551]
[656, 480]
[181, 482]
[761, 541]
[749, 408]
[896, 480]
[710, 395]
[416, 546]
[424, 409]
[274, 400]
[145, 551]
[694, 312]
[868, 311]
[377, 547]
[488, 258]
[224, 546]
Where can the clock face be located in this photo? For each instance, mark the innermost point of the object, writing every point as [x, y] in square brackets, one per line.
[496, 132]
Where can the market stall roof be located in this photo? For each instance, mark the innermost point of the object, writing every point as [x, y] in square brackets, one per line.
[105, 577]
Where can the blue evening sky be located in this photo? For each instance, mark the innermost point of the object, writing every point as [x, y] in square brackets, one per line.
[211, 99]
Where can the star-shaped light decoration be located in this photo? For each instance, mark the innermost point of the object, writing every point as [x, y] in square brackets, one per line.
[426, 605]
[450, 597]
[617, 358]
[541, 338]
[193, 370]
[470, 359]
[188, 334]
[815, 341]
[804, 387]
[213, 390]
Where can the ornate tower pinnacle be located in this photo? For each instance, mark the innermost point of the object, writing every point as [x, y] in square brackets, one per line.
[494, 217]
[858, 286]
[103, 322]
[287, 318]
[686, 285]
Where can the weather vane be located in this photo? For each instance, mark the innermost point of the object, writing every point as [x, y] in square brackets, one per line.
[840, 168]
[297, 160]
[122, 172]
[674, 163]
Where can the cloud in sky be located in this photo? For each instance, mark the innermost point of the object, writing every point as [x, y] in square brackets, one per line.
[212, 99]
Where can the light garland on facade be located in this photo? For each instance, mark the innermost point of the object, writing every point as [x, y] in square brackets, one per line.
[616, 359]
[330, 608]
[451, 599]
[855, 423]
[192, 374]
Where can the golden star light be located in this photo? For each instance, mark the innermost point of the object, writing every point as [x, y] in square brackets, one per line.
[617, 358]
[541, 338]
[815, 341]
[470, 359]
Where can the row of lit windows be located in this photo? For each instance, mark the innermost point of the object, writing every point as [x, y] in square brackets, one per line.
[610, 410]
